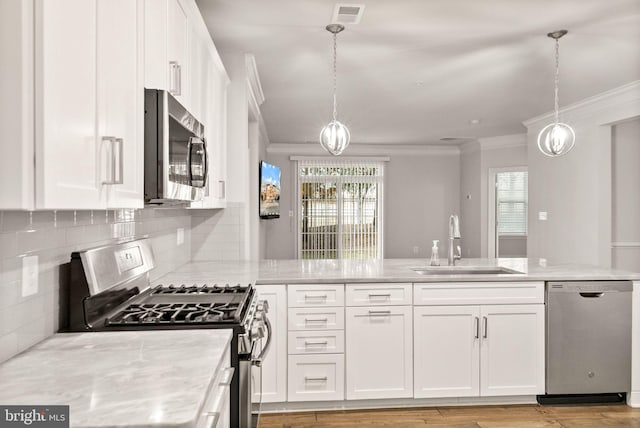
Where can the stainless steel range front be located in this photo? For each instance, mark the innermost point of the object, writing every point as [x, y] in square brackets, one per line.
[109, 289]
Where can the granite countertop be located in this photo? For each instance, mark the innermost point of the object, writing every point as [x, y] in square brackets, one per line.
[387, 270]
[135, 379]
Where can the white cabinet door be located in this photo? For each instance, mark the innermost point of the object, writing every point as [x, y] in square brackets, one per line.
[71, 160]
[446, 351]
[379, 352]
[178, 52]
[274, 366]
[512, 351]
[16, 105]
[120, 98]
[156, 68]
[316, 377]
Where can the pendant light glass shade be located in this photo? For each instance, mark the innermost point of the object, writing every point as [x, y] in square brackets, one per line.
[556, 139]
[334, 137]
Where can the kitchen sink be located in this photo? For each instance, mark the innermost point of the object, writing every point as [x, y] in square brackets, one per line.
[464, 270]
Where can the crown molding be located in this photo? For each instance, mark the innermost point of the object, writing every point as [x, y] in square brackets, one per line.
[253, 79]
[503, 142]
[626, 96]
[355, 149]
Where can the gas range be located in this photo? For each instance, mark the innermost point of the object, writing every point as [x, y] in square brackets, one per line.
[109, 289]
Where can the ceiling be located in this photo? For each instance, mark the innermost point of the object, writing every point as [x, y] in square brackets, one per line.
[415, 71]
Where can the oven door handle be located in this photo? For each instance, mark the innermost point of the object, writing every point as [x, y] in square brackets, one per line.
[267, 345]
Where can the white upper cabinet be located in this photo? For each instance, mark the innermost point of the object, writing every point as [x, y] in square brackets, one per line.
[178, 52]
[120, 98]
[88, 104]
[87, 115]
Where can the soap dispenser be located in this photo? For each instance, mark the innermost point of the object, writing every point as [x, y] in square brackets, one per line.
[435, 258]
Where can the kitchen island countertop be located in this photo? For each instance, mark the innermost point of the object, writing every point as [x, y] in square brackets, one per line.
[133, 378]
[386, 270]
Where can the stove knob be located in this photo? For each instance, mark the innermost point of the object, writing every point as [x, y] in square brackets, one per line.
[259, 315]
[257, 331]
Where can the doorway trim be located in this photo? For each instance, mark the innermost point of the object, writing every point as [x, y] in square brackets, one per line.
[492, 236]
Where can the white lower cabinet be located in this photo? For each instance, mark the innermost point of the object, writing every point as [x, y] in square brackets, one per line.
[512, 350]
[489, 350]
[446, 351]
[379, 352]
[317, 377]
[274, 366]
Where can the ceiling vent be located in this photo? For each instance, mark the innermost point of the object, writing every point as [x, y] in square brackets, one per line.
[347, 13]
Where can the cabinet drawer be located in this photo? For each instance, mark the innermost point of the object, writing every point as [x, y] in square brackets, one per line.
[379, 294]
[478, 293]
[315, 295]
[316, 342]
[316, 318]
[215, 411]
[316, 377]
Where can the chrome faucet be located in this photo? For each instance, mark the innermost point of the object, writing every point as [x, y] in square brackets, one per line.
[454, 233]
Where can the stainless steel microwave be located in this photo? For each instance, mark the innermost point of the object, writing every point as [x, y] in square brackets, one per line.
[175, 151]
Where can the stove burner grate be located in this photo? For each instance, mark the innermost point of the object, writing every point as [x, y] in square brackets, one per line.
[176, 313]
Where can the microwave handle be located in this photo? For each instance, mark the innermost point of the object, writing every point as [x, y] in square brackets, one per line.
[205, 160]
[190, 155]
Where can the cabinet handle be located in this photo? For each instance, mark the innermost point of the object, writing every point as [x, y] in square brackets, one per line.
[477, 327]
[175, 78]
[484, 321]
[120, 144]
[228, 376]
[321, 296]
[111, 168]
[316, 320]
[307, 343]
[315, 379]
[215, 416]
[223, 189]
[387, 295]
[379, 313]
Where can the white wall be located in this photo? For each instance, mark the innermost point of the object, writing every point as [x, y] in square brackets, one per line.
[626, 196]
[575, 189]
[421, 190]
[470, 199]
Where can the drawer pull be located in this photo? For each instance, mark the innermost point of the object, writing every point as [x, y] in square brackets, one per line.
[379, 313]
[228, 376]
[387, 295]
[310, 296]
[324, 343]
[306, 320]
[315, 379]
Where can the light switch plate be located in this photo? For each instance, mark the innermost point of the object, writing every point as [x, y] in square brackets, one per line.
[180, 236]
[542, 215]
[29, 275]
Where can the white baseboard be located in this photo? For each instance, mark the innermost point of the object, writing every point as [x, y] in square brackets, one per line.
[633, 399]
[394, 403]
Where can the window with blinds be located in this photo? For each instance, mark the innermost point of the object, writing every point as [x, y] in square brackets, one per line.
[340, 209]
[512, 203]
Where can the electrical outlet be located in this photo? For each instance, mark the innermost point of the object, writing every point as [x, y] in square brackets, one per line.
[542, 215]
[542, 262]
[180, 236]
[416, 249]
[29, 275]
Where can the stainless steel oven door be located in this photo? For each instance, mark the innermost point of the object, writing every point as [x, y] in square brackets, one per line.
[251, 376]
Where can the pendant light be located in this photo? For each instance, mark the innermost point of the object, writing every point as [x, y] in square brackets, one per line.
[556, 139]
[335, 136]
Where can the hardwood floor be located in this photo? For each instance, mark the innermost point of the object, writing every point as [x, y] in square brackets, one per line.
[526, 416]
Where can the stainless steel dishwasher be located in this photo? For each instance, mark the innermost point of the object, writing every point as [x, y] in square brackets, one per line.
[588, 341]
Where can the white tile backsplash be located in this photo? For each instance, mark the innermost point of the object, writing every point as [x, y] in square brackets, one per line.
[52, 236]
[218, 234]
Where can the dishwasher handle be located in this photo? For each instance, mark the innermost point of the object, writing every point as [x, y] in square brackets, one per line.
[591, 295]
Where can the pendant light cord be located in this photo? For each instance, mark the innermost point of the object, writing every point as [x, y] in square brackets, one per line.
[557, 83]
[335, 79]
